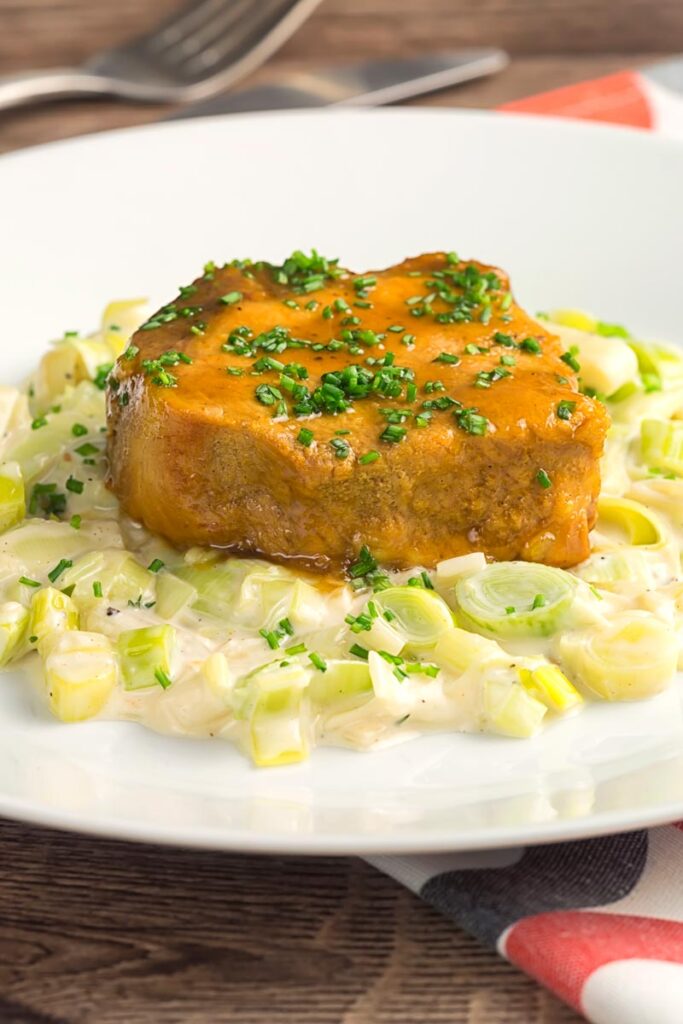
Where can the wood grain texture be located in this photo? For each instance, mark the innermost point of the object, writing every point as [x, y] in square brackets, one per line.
[95, 932]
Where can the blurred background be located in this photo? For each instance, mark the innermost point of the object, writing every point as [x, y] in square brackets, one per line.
[551, 43]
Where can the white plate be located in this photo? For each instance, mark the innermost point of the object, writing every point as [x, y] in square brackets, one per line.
[580, 215]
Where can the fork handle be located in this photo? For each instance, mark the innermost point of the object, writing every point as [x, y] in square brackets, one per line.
[57, 83]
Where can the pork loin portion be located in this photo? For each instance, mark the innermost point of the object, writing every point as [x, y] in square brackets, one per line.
[302, 411]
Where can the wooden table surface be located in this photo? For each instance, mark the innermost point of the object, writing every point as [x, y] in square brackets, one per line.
[96, 932]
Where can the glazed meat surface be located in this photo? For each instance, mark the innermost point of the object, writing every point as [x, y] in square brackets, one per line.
[302, 411]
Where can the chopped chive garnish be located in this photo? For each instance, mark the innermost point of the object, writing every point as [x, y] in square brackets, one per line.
[510, 610]
[365, 564]
[447, 357]
[100, 378]
[74, 485]
[163, 680]
[565, 410]
[295, 649]
[318, 661]
[393, 434]
[305, 437]
[39, 422]
[69, 590]
[97, 588]
[531, 345]
[286, 626]
[75, 522]
[86, 449]
[79, 430]
[271, 638]
[538, 602]
[341, 448]
[543, 479]
[29, 582]
[155, 565]
[504, 339]
[230, 299]
[369, 457]
[61, 566]
[570, 359]
[360, 652]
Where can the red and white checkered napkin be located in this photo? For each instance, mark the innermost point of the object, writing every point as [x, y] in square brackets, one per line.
[599, 922]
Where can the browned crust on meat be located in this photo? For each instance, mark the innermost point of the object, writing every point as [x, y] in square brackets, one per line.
[205, 463]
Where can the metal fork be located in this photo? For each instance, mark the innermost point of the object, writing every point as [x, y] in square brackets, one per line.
[198, 52]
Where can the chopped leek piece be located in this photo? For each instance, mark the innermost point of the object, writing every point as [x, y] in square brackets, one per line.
[632, 656]
[419, 616]
[142, 652]
[51, 612]
[607, 363]
[388, 685]
[220, 679]
[130, 580]
[344, 681]
[659, 365]
[173, 594]
[13, 626]
[273, 700]
[459, 650]
[121, 577]
[217, 582]
[510, 710]
[81, 673]
[119, 320]
[551, 686]
[661, 444]
[575, 318]
[12, 498]
[14, 416]
[383, 637]
[38, 451]
[271, 594]
[449, 570]
[503, 599]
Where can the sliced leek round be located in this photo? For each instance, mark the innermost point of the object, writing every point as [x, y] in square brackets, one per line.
[641, 526]
[515, 599]
[419, 616]
[632, 656]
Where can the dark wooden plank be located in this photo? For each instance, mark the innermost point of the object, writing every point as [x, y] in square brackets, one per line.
[112, 933]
